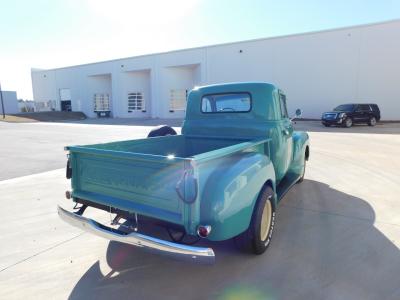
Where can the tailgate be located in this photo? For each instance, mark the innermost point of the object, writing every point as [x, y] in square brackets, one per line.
[141, 183]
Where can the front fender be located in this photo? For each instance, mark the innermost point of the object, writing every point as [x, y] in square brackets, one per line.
[231, 191]
[301, 141]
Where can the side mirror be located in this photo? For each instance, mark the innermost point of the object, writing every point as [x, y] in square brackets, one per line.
[297, 114]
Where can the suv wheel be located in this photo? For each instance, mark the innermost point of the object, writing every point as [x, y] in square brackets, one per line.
[348, 122]
[372, 121]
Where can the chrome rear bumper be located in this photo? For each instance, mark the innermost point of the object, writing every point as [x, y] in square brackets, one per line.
[179, 251]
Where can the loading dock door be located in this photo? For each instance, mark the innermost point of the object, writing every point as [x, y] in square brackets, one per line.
[65, 100]
[66, 105]
[102, 104]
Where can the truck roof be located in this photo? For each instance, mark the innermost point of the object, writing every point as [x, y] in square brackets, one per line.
[234, 86]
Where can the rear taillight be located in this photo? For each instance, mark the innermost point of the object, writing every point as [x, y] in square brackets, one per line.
[69, 170]
[203, 231]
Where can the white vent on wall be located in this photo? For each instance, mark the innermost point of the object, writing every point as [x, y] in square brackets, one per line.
[136, 102]
[178, 98]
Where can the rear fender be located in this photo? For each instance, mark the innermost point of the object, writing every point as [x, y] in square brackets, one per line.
[301, 146]
[231, 192]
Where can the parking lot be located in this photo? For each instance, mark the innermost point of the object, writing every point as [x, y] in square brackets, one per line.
[337, 234]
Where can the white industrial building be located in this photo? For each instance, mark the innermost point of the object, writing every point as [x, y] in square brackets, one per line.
[10, 102]
[317, 70]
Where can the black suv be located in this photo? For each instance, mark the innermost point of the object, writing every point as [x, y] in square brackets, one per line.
[348, 114]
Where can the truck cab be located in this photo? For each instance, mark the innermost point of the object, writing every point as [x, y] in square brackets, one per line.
[222, 178]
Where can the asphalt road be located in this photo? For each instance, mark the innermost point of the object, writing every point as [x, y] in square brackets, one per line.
[337, 234]
[31, 148]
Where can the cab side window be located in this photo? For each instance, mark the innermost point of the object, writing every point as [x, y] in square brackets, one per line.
[282, 101]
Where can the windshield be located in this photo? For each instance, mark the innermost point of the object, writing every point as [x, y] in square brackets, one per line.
[344, 107]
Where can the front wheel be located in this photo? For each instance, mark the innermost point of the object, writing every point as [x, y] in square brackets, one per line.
[257, 237]
[348, 122]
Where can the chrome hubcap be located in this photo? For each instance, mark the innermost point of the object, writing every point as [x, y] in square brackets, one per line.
[266, 220]
[348, 122]
[373, 121]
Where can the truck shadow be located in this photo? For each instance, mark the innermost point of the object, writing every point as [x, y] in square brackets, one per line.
[325, 246]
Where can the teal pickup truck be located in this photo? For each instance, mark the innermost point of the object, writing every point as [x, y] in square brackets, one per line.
[222, 178]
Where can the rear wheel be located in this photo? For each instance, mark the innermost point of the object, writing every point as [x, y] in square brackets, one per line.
[161, 130]
[372, 121]
[257, 237]
[348, 122]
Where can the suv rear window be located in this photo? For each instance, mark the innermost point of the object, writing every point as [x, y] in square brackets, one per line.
[226, 103]
[374, 107]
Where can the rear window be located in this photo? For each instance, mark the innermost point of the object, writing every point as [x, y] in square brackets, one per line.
[226, 103]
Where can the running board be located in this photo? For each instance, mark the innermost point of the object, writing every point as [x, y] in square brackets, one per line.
[286, 183]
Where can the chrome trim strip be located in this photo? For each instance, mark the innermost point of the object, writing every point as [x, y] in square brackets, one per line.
[177, 251]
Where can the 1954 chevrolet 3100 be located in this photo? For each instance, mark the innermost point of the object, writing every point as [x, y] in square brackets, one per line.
[222, 178]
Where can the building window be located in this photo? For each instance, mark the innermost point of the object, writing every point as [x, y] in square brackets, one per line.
[101, 102]
[136, 102]
[178, 98]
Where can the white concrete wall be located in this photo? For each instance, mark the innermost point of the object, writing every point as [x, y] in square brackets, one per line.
[175, 70]
[97, 84]
[379, 68]
[10, 103]
[179, 78]
[317, 71]
[70, 79]
[131, 82]
[44, 85]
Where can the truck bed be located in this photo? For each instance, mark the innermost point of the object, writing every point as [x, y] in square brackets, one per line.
[174, 145]
[142, 176]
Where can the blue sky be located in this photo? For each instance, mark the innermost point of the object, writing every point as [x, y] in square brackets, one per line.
[49, 34]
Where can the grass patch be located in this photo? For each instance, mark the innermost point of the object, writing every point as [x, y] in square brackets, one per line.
[50, 116]
[16, 119]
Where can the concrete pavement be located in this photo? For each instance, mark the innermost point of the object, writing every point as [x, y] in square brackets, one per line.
[337, 236]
